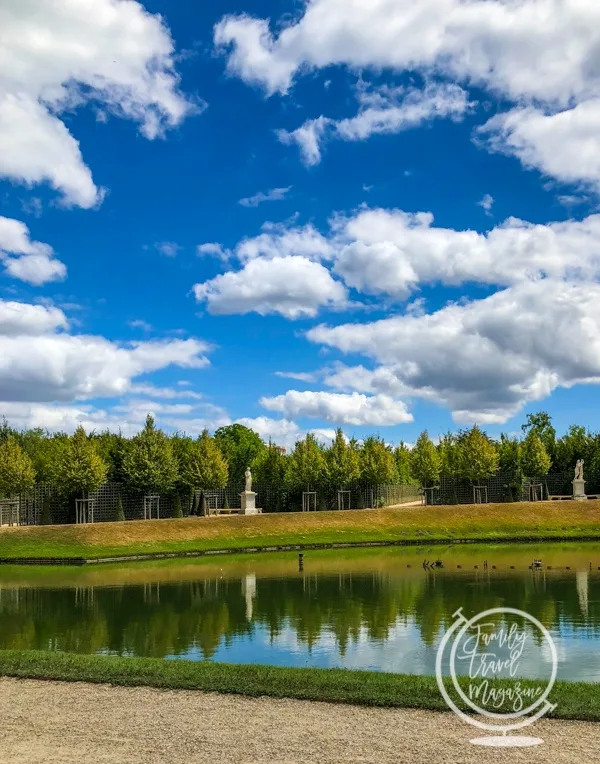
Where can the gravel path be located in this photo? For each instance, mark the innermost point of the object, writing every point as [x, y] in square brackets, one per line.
[54, 722]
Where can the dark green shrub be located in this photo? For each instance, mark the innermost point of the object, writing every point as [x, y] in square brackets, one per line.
[177, 510]
[120, 513]
[46, 513]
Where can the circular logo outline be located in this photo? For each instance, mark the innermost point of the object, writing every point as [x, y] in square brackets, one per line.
[542, 702]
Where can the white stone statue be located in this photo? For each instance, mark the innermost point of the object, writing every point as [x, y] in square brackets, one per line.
[579, 470]
[248, 476]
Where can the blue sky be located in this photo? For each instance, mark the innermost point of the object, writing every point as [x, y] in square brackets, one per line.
[418, 241]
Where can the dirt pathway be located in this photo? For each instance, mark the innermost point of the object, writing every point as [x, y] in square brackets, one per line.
[53, 722]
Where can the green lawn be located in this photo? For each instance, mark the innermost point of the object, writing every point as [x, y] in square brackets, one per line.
[575, 700]
[485, 523]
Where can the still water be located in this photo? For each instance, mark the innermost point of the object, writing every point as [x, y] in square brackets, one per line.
[365, 609]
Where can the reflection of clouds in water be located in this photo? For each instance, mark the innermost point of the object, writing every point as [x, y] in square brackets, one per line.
[402, 652]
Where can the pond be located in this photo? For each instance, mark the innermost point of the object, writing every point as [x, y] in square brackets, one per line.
[367, 609]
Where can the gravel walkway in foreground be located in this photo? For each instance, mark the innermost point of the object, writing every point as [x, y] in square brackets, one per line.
[54, 722]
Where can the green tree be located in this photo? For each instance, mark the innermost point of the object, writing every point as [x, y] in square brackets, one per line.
[509, 455]
[342, 462]
[111, 446]
[306, 464]
[202, 464]
[478, 456]
[402, 458]
[149, 465]
[425, 461]
[240, 446]
[449, 453]
[44, 451]
[6, 431]
[79, 468]
[541, 423]
[510, 462]
[377, 464]
[534, 457]
[576, 444]
[270, 465]
[17, 474]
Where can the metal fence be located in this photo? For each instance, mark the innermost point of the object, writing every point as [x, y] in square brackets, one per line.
[504, 487]
[500, 488]
[269, 498]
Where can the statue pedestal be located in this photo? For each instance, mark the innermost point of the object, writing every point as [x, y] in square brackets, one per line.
[249, 503]
[579, 490]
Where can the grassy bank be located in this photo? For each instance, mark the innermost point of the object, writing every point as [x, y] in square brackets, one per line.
[485, 523]
[575, 700]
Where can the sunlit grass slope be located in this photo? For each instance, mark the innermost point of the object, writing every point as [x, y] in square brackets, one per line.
[490, 522]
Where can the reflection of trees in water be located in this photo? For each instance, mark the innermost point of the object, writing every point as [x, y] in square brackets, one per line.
[174, 618]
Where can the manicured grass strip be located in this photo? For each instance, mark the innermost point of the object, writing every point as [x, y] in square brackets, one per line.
[575, 700]
[492, 523]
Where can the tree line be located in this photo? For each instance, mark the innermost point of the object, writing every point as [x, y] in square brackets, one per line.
[156, 462]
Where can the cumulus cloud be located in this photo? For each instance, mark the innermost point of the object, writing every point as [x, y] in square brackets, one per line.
[274, 195]
[483, 359]
[285, 240]
[338, 408]
[291, 286]
[26, 260]
[18, 319]
[538, 49]
[127, 418]
[383, 110]
[60, 55]
[540, 54]
[284, 432]
[564, 145]
[281, 273]
[391, 252]
[41, 362]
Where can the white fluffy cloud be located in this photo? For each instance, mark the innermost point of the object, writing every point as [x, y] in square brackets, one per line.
[27, 260]
[538, 49]
[540, 54]
[483, 359]
[339, 408]
[41, 363]
[564, 145]
[127, 418]
[18, 319]
[284, 432]
[59, 55]
[382, 110]
[291, 286]
[392, 252]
